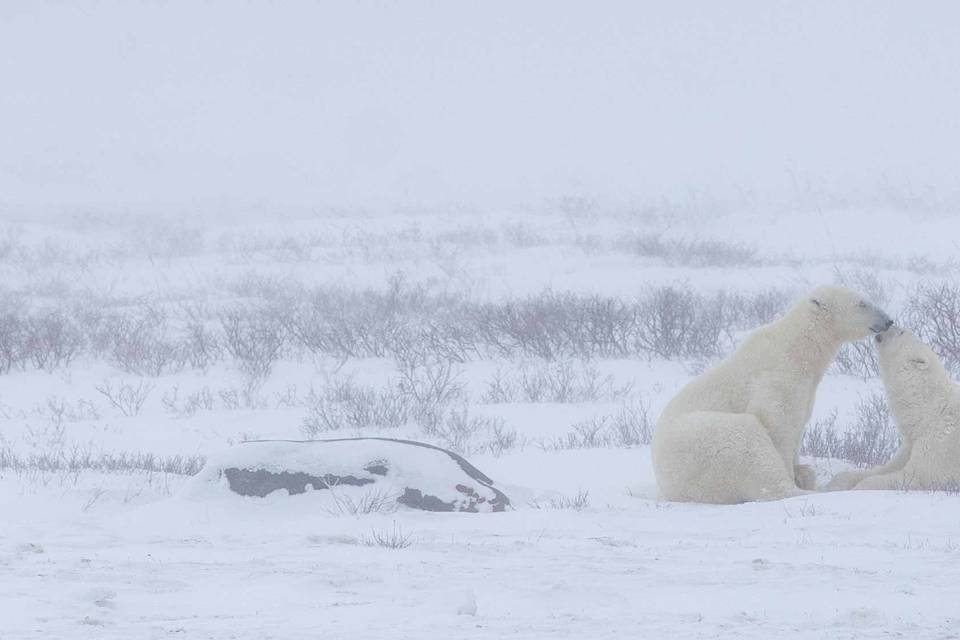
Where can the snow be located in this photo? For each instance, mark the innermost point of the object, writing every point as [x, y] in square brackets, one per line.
[182, 156]
[852, 565]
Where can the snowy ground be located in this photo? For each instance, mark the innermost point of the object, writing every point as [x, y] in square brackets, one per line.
[589, 551]
[838, 565]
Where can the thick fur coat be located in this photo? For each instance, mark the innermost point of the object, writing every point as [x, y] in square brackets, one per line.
[733, 434]
[926, 406]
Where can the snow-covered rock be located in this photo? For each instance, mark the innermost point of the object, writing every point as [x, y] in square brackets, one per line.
[357, 474]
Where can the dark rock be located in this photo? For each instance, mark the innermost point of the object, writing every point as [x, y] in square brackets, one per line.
[260, 482]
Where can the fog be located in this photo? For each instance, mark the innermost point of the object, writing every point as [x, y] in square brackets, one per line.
[360, 319]
[387, 103]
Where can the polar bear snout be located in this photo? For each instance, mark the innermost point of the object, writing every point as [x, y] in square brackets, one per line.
[881, 325]
[888, 334]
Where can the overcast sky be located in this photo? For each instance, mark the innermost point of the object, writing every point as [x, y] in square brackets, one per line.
[131, 103]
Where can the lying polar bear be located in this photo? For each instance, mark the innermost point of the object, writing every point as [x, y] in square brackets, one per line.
[733, 434]
[926, 406]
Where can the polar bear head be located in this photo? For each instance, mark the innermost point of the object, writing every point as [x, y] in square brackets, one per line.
[847, 314]
[914, 377]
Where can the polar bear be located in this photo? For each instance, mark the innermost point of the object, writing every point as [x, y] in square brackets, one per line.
[926, 407]
[733, 434]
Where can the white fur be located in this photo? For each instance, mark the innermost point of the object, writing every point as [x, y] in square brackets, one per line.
[733, 434]
[926, 406]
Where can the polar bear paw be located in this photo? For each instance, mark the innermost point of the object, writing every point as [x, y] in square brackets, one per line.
[844, 481]
[806, 476]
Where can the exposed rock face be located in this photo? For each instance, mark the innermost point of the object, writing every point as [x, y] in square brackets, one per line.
[419, 475]
[261, 483]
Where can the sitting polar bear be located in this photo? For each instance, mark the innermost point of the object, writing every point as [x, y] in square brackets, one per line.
[926, 406]
[733, 434]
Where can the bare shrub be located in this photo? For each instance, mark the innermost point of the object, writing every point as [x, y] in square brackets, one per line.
[692, 252]
[676, 323]
[285, 249]
[138, 342]
[578, 502]
[345, 404]
[322, 326]
[866, 281]
[229, 398]
[168, 241]
[630, 426]
[48, 437]
[124, 396]
[448, 337]
[189, 405]
[78, 459]
[52, 339]
[740, 311]
[289, 397]
[12, 342]
[388, 538]
[459, 430]
[588, 434]
[875, 435]
[647, 245]
[360, 324]
[668, 322]
[405, 321]
[261, 287]
[872, 440]
[478, 236]
[536, 325]
[559, 381]
[821, 439]
[60, 410]
[500, 439]
[200, 344]
[501, 389]
[933, 310]
[923, 265]
[713, 253]
[857, 359]
[521, 235]
[255, 340]
[9, 242]
[576, 208]
[589, 243]
[428, 386]
[369, 502]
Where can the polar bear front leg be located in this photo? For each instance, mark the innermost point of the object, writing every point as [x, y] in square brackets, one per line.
[785, 430]
[851, 479]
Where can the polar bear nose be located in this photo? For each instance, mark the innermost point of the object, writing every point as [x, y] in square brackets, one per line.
[882, 324]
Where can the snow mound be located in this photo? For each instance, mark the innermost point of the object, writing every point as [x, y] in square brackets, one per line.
[352, 474]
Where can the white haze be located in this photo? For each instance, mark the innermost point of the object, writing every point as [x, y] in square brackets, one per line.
[513, 230]
[229, 104]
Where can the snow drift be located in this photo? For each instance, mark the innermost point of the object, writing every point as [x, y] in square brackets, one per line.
[353, 473]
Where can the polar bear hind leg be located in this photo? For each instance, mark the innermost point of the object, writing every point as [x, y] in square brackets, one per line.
[722, 458]
[908, 479]
[896, 481]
